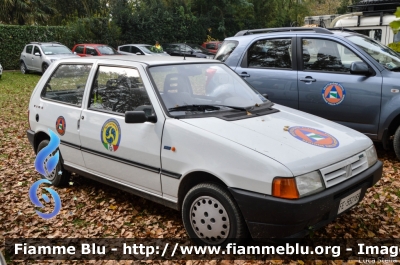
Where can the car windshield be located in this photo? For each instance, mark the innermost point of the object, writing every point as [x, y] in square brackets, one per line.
[51, 50]
[106, 50]
[197, 48]
[203, 88]
[146, 49]
[382, 54]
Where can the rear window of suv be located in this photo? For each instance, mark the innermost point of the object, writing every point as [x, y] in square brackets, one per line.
[226, 50]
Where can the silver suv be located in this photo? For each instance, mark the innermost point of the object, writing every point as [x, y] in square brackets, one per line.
[37, 56]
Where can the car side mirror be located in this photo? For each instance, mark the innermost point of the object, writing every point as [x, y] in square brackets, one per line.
[74, 52]
[265, 96]
[37, 53]
[138, 53]
[138, 117]
[359, 68]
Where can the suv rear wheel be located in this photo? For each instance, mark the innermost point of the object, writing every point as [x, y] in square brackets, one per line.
[396, 143]
[55, 177]
[23, 68]
[211, 216]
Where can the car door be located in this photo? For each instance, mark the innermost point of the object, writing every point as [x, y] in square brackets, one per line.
[61, 101]
[270, 67]
[328, 89]
[112, 149]
[37, 59]
[27, 56]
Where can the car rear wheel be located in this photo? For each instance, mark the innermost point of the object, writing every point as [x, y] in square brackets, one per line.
[396, 143]
[44, 67]
[58, 177]
[211, 216]
[23, 68]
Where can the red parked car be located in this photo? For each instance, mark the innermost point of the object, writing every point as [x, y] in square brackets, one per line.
[212, 46]
[89, 49]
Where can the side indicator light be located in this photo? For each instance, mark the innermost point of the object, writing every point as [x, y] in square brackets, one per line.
[285, 188]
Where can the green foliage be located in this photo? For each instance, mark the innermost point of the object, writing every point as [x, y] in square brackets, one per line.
[395, 25]
[395, 46]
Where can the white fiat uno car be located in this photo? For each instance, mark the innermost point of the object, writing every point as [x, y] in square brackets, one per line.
[193, 135]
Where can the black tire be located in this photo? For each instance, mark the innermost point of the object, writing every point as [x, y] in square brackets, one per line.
[23, 68]
[396, 142]
[223, 211]
[56, 179]
[44, 67]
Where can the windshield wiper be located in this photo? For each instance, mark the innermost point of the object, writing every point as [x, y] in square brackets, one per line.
[204, 108]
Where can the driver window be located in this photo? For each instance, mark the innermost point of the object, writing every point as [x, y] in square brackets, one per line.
[325, 55]
[119, 89]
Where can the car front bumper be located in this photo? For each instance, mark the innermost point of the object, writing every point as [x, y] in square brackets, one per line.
[271, 217]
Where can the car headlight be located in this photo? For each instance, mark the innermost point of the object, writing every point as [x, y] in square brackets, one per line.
[300, 186]
[309, 183]
[372, 157]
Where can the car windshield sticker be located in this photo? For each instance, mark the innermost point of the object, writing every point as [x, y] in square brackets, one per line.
[61, 125]
[333, 94]
[314, 137]
[111, 135]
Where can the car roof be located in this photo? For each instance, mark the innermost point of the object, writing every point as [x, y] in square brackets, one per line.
[92, 44]
[149, 60]
[251, 34]
[136, 45]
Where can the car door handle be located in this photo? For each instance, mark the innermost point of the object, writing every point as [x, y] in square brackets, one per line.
[308, 79]
[244, 74]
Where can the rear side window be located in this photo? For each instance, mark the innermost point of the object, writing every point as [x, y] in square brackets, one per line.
[28, 49]
[119, 89]
[226, 50]
[124, 49]
[210, 46]
[79, 49]
[272, 53]
[67, 84]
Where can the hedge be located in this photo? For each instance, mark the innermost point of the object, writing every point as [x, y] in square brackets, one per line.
[13, 38]
[395, 46]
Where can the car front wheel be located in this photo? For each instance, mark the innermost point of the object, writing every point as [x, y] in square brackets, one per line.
[58, 176]
[23, 68]
[396, 143]
[211, 216]
[44, 67]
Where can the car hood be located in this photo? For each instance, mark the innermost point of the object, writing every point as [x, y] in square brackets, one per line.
[274, 136]
[62, 56]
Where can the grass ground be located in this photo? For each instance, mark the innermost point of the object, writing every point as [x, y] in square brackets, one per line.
[91, 209]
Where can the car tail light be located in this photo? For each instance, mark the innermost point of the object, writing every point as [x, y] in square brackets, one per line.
[285, 188]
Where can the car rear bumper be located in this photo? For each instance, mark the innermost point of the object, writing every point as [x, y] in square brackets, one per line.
[31, 137]
[270, 217]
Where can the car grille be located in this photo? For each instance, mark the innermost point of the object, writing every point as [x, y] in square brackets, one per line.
[334, 174]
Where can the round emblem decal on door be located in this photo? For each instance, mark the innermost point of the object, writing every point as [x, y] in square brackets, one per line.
[61, 125]
[111, 135]
[314, 137]
[333, 94]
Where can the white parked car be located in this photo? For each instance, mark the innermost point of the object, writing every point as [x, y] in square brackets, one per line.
[139, 49]
[192, 135]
